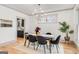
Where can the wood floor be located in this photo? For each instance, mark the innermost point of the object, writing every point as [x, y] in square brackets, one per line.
[68, 48]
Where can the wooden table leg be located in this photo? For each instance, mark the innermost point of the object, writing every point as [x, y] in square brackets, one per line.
[25, 42]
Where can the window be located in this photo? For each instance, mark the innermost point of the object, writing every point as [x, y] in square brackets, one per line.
[52, 18]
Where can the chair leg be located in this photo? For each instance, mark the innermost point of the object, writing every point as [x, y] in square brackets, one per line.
[28, 44]
[47, 46]
[37, 46]
[40, 45]
[34, 45]
[50, 48]
[53, 45]
[57, 48]
[44, 49]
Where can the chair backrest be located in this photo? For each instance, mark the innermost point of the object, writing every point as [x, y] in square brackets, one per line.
[32, 38]
[26, 35]
[48, 33]
[41, 39]
[57, 39]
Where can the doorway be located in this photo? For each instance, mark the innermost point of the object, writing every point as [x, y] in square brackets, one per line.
[20, 28]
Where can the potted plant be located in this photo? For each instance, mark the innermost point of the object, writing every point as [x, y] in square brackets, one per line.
[65, 28]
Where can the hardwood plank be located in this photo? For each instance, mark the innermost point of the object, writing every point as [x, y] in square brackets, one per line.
[68, 48]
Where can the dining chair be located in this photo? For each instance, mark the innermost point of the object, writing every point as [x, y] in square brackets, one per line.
[55, 42]
[26, 38]
[41, 41]
[48, 33]
[31, 39]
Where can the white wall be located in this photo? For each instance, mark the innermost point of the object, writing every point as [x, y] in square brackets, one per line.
[67, 15]
[76, 25]
[78, 30]
[10, 34]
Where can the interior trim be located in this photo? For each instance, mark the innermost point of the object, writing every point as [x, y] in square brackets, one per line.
[15, 10]
[8, 43]
[39, 13]
[57, 10]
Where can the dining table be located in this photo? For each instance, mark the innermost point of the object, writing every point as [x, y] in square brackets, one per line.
[49, 37]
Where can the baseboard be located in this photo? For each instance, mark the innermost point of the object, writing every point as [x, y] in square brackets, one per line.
[76, 45]
[71, 42]
[8, 43]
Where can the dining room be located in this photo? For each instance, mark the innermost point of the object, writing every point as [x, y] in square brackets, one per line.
[45, 28]
[50, 22]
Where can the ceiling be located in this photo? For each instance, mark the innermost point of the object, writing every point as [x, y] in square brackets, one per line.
[31, 9]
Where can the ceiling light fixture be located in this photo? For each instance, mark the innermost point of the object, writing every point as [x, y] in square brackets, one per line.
[38, 10]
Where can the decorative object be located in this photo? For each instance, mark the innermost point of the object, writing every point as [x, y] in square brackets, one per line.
[5, 23]
[65, 28]
[37, 30]
[43, 16]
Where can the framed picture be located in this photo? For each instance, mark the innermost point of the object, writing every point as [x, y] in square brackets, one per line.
[5, 23]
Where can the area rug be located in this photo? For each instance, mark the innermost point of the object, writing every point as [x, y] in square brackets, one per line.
[30, 49]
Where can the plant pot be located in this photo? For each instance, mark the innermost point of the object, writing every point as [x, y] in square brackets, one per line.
[67, 38]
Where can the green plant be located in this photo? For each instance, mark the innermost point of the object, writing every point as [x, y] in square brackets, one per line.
[65, 28]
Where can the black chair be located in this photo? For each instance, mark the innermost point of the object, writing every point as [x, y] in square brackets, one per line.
[26, 38]
[48, 33]
[55, 42]
[32, 39]
[26, 33]
[41, 41]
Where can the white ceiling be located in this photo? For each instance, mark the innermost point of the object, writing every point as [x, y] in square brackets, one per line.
[34, 8]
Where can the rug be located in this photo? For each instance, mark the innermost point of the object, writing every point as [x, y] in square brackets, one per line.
[30, 49]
